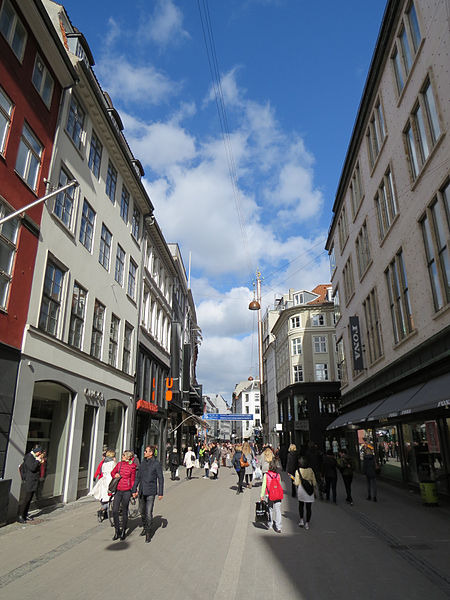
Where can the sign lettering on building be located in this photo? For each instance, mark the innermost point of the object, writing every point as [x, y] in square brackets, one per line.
[94, 396]
[146, 406]
[355, 336]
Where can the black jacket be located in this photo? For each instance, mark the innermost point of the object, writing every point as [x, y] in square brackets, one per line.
[292, 462]
[174, 459]
[31, 470]
[329, 467]
[149, 478]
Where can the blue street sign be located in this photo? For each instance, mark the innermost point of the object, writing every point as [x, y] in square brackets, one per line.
[227, 417]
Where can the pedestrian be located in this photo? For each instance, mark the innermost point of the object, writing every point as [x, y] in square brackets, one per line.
[100, 490]
[329, 470]
[250, 458]
[266, 457]
[149, 483]
[239, 465]
[284, 456]
[369, 469]
[206, 463]
[125, 470]
[174, 463]
[305, 480]
[214, 469]
[292, 466]
[30, 472]
[345, 465]
[214, 453]
[189, 462]
[271, 486]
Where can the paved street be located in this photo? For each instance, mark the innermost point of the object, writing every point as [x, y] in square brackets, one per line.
[206, 546]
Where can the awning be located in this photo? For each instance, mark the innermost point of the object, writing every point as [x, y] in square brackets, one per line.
[196, 419]
[434, 394]
[358, 415]
[393, 405]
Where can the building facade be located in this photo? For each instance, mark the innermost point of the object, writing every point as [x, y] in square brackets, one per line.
[220, 430]
[247, 401]
[389, 255]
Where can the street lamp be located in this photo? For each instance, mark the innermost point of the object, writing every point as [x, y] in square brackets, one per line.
[255, 304]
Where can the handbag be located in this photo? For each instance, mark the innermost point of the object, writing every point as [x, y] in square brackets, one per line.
[112, 487]
[243, 461]
[261, 511]
[306, 485]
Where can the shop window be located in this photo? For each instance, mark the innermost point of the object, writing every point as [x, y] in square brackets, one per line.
[422, 447]
[114, 425]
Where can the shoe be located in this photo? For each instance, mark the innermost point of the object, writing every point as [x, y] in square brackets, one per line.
[116, 536]
[143, 532]
[250, 485]
[148, 537]
[205, 477]
[306, 525]
[275, 528]
[124, 535]
[301, 523]
[100, 515]
[20, 519]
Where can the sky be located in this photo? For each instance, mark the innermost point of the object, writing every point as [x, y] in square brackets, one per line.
[291, 75]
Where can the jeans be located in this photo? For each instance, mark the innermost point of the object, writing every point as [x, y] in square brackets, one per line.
[146, 509]
[173, 470]
[330, 482]
[371, 487]
[308, 510]
[348, 486]
[275, 513]
[121, 498]
[240, 475]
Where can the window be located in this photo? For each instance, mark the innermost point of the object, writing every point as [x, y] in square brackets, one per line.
[342, 228]
[386, 204]
[257, 410]
[349, 282]
[341, 363]
[321, 370]
[95, 155]
[8, 240]
[376, 133]
[295, 322]
[42, 81]
[87, 225]
[319, 344]
[435, 236]
[29, 156]
[105, 247]
[132, 279]
[6, 109]
[127, 340]
[75, 122]
[318, 320]
[356, 190]
[298, 299]
[51, 299]
[422, 129]
[298, 373]
[337, 306]
[124, 204]
[363, 250]
[64, 201]
[77, 315]
[297, 346]
[120, 265]
[113, 340]
[373, 326]
[12, 29]
[97, 330]
[136, 223]
[397, 284]
[406, 47]
[332, 258]
[111, 182]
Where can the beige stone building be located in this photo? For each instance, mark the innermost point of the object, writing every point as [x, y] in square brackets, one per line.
[388, 247]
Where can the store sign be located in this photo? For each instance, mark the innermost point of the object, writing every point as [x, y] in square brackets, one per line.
[146, 406]
[94, 396]
[302, 425]
[355, 336]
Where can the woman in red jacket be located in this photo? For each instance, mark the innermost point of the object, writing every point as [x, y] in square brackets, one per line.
[126, 471]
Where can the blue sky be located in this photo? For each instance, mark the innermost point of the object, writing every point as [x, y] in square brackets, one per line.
[292, 75]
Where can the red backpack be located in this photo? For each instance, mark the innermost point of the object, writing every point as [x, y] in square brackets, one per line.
[273, 485]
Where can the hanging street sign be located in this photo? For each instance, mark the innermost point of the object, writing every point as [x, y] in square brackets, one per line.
[227, 417]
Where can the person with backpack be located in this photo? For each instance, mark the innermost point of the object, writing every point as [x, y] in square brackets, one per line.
[305, 480]
[271, 486]
[239, 464]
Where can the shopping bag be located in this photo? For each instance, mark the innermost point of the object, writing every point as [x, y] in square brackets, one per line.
[197, 463]
[261, 511]
[257, 473]
[176, 473]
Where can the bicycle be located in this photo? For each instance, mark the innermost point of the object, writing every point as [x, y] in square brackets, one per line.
[133, 510]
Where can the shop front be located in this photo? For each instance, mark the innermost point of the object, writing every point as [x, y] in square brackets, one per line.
[149, 429]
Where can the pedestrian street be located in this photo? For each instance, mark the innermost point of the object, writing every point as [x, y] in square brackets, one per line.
[206, 545]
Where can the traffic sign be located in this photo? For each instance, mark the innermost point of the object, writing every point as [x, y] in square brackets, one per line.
[227, 417]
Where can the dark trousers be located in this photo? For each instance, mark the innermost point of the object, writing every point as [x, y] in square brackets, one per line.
[248, 478]
[25, 505]
[330, 482]
[348, 486]
[121, 499]
[301, 506]
[146, 509]
[189, 472]
[240, 475]
[173, 470]
[371, 487]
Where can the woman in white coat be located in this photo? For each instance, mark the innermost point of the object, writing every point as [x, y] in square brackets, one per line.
[100, 490]
[305, 481]
[189, 462]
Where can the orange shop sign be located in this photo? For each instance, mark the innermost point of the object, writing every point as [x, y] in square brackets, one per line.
[146, 406]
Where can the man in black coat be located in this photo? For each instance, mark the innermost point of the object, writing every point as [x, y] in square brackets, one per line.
[150, 482]
[30, 471]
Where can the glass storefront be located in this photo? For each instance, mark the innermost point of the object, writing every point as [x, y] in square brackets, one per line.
[147, 433]
[424, 461]
[87, 442]
[385, 445]
[114, 426]
[49, 424]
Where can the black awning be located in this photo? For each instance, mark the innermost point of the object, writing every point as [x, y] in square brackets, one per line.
[434, 394]
[392, 406]
[358, 415]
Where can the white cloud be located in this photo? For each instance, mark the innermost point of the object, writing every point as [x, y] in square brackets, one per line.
[165, 25]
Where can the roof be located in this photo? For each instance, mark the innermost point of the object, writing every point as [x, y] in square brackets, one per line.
[322, 291]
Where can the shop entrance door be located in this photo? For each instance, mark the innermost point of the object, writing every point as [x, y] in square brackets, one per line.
[87, 443]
